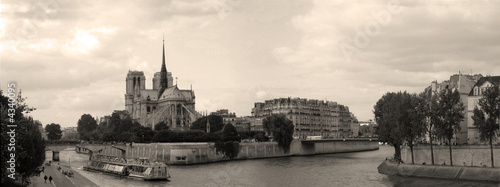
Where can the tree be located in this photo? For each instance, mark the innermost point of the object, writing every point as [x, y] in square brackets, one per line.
[216, 123]
[414, 121]
[450, 113]
[399, 120]
[229, 149]
[141, 133]
[114, 123]
[229, 133]
[29, 148]
[280, 128]
[429, 108]
[111, 131]
[387, 116]
[161, 126]
[53, 131]
[85, 125]
[487, 118]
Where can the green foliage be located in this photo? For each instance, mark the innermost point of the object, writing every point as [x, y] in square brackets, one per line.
[429, 109]
[280, 128]
[141, 134]
[486, 118]
[259, 136]
[414, 119]
[399, 119]
[86, 125]
[229, 149]
[29, 148]
[119, 128]
[229, 133]
[216, 123]
[161, 126]
[53, 131]
[114, 123]
[450, 113]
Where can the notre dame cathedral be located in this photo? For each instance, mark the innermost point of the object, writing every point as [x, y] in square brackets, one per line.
[165, 102]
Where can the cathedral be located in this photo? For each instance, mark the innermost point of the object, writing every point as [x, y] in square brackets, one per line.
[164, 103]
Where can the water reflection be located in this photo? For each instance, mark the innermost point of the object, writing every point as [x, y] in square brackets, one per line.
[346, 169]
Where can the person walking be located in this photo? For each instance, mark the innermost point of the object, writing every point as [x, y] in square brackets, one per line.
[45, 178]
[50, 179]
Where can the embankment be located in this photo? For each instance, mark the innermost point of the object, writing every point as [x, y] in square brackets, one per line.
[464, 155]
[196, 153]
[442, 172]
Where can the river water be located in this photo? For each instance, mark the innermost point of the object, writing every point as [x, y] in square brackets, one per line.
[345, 169]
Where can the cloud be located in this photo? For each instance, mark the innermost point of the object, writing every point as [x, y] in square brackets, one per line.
[261, 94]
[72, 57]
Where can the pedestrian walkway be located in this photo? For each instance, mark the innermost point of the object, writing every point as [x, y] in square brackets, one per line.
[59, 179]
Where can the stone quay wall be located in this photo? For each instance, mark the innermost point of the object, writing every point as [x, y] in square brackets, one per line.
[441, 172]
[471, 155]
[205, 152]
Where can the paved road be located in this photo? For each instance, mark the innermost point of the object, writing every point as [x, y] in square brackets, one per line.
[59, 179]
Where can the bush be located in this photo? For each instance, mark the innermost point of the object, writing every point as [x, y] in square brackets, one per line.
[260, 136]
[229, 133]
[230, 149]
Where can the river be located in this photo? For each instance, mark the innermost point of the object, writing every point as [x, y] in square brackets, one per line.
[345, 169]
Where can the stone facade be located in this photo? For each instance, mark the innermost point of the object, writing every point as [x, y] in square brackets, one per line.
[165, 102]
[475, 94]
[463, 83]
[310, 117]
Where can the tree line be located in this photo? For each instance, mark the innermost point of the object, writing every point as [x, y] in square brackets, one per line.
[124, 129]
[27, 145]
[405, 118]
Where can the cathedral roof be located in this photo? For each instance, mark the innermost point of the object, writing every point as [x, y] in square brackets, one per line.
[173, 94]
[149, 93]
[188, 93]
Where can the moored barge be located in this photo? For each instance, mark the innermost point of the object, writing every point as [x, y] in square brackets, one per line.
[139, 168]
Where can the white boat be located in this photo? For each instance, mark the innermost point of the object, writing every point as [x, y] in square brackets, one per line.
[140, 168]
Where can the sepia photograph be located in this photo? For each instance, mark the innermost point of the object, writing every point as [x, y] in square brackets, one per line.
[292, 93]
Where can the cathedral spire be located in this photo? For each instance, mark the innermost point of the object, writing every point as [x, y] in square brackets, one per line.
[163, 66]
[163, 73]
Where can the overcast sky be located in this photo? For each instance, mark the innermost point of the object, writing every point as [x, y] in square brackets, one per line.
[71, 57]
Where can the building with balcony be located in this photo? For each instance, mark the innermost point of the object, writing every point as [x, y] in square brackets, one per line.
[310, 117]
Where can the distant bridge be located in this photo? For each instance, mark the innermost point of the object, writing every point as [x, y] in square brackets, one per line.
[339, 139]
[56, 148]
[98, 148]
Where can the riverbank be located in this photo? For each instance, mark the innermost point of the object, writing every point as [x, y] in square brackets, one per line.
[442, 172]
[206, 152]
[59, 179]
[463, 155]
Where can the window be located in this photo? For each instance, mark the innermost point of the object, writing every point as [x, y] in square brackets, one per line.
[178, 109]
